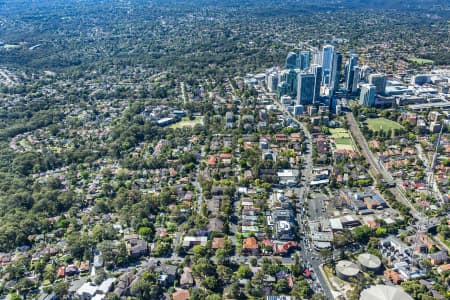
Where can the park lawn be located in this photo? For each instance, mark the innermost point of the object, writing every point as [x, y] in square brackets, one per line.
[382, 124]
[185, 122]
[420, 61]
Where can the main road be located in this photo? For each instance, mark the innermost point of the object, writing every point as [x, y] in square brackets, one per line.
[307, 254]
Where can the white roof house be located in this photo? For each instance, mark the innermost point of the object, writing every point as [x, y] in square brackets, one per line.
[86, 291]
[106, 286]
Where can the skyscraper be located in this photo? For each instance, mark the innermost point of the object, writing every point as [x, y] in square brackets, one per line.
[378, 80]
[337, 66]
[352, 62]
[317, 58]
[317, 71]
[303, 60]
[282, 76]
[367, 96]
[282, 89]
[365, 72]
[291, 61]
[327, 63]
[292, 82]
[305, 91]
[272, 82]
[356, 79]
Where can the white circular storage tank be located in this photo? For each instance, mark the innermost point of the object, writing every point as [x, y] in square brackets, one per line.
[384, 292]
[369, 262]
[346, 269]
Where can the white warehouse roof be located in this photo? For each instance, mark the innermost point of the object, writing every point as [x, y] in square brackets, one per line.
[336, 224]
[384, 292]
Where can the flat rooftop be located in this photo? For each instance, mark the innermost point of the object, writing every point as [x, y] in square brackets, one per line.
[442, 104]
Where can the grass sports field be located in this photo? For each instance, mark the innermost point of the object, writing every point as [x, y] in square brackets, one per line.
[379, 124]
[342, 139]
[420, 61]
[186, 122]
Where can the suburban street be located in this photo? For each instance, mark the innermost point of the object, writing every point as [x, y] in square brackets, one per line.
[375, 163]
[378, 169]
[429, 172]
[197, 185]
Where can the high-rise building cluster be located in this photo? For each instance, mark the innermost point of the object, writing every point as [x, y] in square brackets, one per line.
[310, 77]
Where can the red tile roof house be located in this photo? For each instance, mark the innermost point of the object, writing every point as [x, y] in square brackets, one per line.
[250, 246]
[181, 295]
[285, 248]
[84, 266]
[218, 243]
[281, 138]
[443, 268]
[212, 160]
[61, 272]
[295, 137]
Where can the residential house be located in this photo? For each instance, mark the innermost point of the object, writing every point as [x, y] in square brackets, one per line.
[438, 258]
[137, 247]
[218, 243]
[217, 190]
[181, 294]
[212, 160]
[190, 241]
[167, 274]
[186, 278]
[443, 268]
[61, 272]
[214, 205]
[285, 248]
[71, 270]
[106, 286]
[425, 241]
[86, 291]
[123, 285]
[281, 138]
[250, 246]
[215, 225]
[84, 266]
